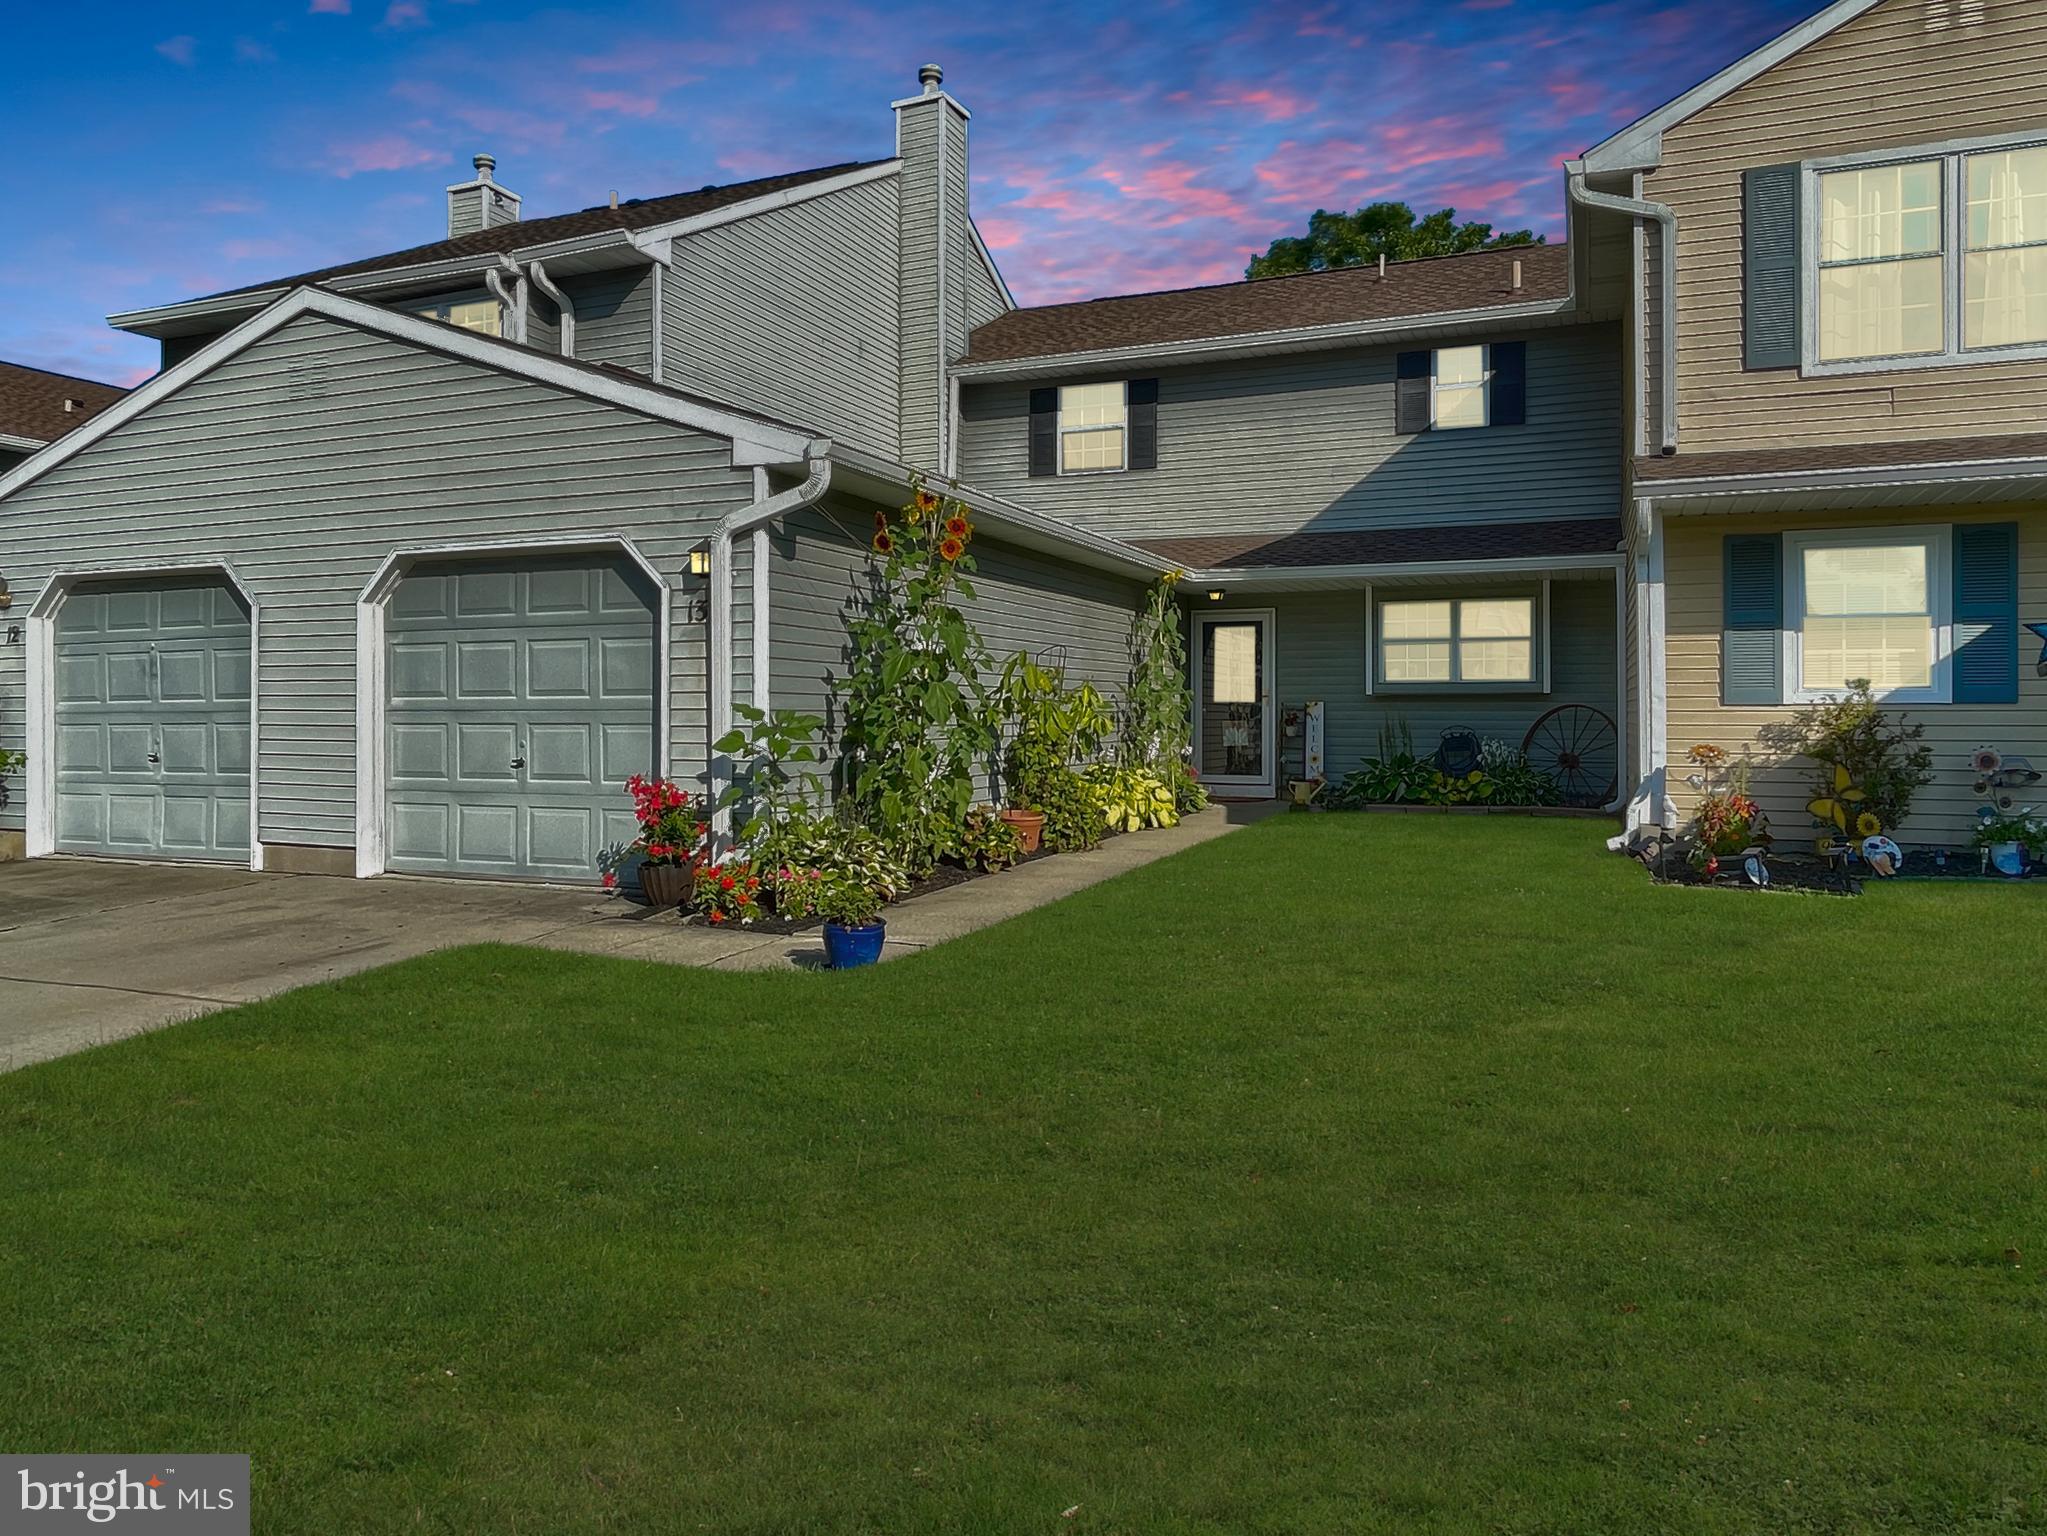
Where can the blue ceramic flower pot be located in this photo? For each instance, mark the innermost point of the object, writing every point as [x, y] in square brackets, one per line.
[845, 948]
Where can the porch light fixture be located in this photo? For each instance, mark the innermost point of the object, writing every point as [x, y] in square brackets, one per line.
[1215, 597]
[700, 561]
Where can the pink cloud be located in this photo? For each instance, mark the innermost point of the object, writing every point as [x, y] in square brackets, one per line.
[254, 250]
[403, 14]
[1269, 103]
[1000, 234]
[328, 8]
[386, 152]
[626, 103]
[179, 50]
[1328, 170]
[1172, 183]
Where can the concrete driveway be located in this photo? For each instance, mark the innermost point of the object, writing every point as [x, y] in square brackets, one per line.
[93, 950]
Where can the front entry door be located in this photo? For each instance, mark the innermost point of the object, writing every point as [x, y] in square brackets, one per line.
[1233, 714]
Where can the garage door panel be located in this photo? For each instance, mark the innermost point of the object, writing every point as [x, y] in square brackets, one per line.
[152, 745]
[487, 669]
[484, 753]
[549, 665]
[420, 597]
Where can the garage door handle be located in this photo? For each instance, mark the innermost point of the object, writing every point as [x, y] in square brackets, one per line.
[518, 762]
[155, 758]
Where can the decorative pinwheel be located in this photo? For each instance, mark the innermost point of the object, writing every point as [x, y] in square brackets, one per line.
[1840, 806]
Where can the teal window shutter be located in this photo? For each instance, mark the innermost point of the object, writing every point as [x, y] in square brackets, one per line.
[1986, 611]
[1769, 266]
[1752, 619]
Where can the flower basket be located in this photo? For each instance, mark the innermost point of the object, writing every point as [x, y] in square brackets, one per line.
[664, 885]
[846, 948]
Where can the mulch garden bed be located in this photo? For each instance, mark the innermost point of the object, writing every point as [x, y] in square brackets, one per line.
[1808, 872]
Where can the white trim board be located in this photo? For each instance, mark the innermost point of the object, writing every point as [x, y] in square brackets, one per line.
[750, 436]
[41, 712]
[372, 684]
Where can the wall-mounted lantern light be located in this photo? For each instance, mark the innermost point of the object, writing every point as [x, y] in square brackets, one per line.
[1215, 597]
[700, 560]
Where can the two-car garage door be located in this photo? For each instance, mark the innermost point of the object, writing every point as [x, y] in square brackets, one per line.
[521, 697]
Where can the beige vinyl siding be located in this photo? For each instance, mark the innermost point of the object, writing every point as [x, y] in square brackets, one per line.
[305, 461]
[1887, 79]
[793, 314]
[1945, 810]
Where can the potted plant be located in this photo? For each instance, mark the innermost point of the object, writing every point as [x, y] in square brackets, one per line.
[2007, 841]
[670, 844]
[853, 929]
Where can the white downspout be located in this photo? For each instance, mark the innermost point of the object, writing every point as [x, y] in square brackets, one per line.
[514, 301]
[1665, 219]
[547, 285]
[755, 515]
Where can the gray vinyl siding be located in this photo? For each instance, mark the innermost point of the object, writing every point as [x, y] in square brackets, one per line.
[614, 316]
[1072, 615]
[1320, 653]
[918, 376]
[1307, 441]
[308, 459]
[793, 313]
[985, 299]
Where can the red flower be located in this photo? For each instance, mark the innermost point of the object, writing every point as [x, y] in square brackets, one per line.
[951, 549]
[610, 878]
[716, 917]
[884, 544]
[726, 883]
[957, 526]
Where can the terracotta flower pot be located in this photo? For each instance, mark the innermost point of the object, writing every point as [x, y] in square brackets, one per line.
[664, 884]
[1029, 827]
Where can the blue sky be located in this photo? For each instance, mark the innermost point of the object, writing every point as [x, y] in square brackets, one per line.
[167, 149]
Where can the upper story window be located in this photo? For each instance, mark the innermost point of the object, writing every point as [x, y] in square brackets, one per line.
[1456, 388]
[1092, 423]
[1481, 642]
[1094, 429]
[1938, 256]
[470, 311]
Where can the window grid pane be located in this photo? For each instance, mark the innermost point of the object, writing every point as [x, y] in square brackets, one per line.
[1887, 309]
[1091, 405]
[2008, 198]
[1460, 388]
[2004, 297]
[1415, 621]
[1463, 640]
[1417, 661]
[1868, 614]
[1091, 449]
[1880, 212]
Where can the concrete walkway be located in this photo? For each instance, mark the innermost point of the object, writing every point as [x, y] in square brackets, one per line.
[93, 950]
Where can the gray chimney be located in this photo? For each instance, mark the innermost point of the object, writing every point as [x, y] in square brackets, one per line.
[482, 203]
[935, 241]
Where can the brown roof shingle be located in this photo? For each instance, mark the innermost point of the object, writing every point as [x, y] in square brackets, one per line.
[1891, 455]
[1393, 546]
[1439, 285]
[638, 213]
[32, 401]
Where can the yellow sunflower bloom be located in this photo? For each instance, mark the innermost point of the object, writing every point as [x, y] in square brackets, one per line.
[1867, 824]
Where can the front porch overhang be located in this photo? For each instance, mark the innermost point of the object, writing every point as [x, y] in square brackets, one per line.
[1237, 580]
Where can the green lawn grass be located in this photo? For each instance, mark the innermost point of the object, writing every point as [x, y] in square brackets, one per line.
[1345, 1174]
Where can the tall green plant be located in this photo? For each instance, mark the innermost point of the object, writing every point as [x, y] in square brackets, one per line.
[916, 712]
[1056, 731]
[774, 781]
[1884, 754]
[1158, 708]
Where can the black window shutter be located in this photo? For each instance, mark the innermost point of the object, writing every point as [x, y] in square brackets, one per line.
[1769, 266]
[1510, 383]
[1413, 373]
[1144, 424]
[1044, 431]
[1986, 611]
[1752, 619]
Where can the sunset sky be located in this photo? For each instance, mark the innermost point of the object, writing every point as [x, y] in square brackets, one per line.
[167, 149]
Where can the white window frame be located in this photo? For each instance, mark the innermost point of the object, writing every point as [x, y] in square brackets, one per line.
[441, 305]
[1485, 387]
[1538, 680]
[1953, 156]
[1939, 543]
[1059, 437]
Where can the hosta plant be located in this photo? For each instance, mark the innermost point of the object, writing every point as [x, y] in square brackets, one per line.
[1137, 798]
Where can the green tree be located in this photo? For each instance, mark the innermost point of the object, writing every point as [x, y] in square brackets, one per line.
[1379, 229]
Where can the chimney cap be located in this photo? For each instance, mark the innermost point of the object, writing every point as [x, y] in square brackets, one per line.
[931, 77]
[484, 164]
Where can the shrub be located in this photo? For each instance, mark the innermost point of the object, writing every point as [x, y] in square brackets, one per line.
[1883, 754]
[1056, 729]
[822, 845]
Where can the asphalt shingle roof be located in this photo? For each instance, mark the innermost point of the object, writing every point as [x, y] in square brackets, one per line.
[32, 401]
[1891, 455]
[1392, 546]
[637, 213]
[1440, 285]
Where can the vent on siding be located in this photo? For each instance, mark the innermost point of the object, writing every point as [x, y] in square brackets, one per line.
[1944, 15]
[306, 381]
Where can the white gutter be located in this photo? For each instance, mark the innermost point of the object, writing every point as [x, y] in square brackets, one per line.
[547, 285]
[755, 515]
[1210, 349]
[1665, 219]
[1253, 578]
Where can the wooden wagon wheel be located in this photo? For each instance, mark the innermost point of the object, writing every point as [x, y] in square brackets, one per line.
[1578, 745]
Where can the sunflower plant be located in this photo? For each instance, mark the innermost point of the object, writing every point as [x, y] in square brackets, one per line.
[917, 713]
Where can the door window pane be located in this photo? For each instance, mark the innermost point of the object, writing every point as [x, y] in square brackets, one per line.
[1236, 663]
[1233, 712]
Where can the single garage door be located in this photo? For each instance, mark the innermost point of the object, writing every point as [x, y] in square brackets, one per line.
[521, 698]
[153, 721]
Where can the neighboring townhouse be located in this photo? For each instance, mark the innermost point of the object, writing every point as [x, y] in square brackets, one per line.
[37, 407]
[406, 564]
[1839, 369]
[1395, 493]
